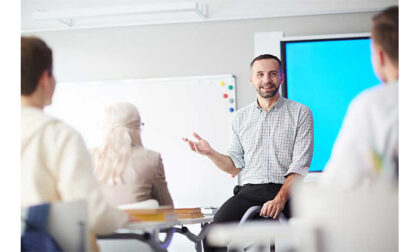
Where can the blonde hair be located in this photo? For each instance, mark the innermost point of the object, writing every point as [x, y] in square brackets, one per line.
[121, 135]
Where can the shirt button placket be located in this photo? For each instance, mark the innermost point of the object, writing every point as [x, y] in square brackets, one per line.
[266, 136]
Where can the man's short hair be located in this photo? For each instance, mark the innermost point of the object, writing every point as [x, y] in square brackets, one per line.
[36, 57]
[385, 31]
[267, 56]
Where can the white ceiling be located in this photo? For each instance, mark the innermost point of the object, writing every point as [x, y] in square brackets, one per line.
[217, 10]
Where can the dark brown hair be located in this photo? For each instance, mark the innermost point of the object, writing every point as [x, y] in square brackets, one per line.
[385, 31]
[35, 58]
[267, 56]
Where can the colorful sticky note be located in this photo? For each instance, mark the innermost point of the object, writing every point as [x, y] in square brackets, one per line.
[225, 96]
[231, 109]
[230, 87]
[222, 83]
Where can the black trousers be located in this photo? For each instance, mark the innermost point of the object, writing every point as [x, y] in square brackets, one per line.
[245, 197]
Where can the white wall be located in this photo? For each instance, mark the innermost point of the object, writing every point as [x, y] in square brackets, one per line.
[171, 50]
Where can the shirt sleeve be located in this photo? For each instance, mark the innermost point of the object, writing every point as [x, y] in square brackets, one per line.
[236, 151]
[350, 154]
[160, 190]
[76, 181]
[304, 144]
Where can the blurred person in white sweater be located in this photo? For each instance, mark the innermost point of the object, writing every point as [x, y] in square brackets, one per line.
[366, 150]
[55, 164]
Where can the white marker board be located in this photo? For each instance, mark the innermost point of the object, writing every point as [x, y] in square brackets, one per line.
[171, 108]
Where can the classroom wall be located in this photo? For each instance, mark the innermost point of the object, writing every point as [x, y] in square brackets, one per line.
[171, 50]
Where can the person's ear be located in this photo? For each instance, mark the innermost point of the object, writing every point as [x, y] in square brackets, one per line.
[281, 78]
[381, 56]
[44, 79]
[250, 80]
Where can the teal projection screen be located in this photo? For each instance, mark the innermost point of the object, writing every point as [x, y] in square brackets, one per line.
[325, 75]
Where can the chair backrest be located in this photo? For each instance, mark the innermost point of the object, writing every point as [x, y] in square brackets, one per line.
[67, 225]
[361, 220]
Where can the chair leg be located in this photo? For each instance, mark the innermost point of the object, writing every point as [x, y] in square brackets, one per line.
[272, 246]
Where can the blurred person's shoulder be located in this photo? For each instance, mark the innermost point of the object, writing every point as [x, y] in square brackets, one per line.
[380, 97]
[144, 154]
[34, 121]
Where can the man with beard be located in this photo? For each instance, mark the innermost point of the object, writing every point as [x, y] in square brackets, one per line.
[272, 146]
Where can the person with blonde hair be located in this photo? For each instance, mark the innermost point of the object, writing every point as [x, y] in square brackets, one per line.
[127, 171]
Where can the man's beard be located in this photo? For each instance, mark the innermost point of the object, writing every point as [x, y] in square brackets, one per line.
[268, 95]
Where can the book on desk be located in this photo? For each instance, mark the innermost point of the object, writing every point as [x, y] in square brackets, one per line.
[163, 213]
[189, 213]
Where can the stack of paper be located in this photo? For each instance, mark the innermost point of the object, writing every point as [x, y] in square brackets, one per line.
[188, 213]
[209, 210]
[151, 203]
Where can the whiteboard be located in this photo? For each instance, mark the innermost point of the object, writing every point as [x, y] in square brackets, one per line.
[171, 108]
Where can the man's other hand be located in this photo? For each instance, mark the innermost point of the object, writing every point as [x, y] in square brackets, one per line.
[272, 208]
[201, 146]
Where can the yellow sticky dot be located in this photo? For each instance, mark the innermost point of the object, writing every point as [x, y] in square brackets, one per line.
[222, 83]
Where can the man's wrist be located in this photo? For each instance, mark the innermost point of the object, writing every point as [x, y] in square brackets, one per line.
[211, 153]
[281, 198]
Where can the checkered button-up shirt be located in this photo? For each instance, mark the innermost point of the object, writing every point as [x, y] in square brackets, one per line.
[269, 145]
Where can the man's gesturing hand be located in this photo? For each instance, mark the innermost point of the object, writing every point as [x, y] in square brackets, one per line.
[202, 146]
[272, 208]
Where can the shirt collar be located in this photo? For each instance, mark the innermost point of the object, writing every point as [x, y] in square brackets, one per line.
[276, 105]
